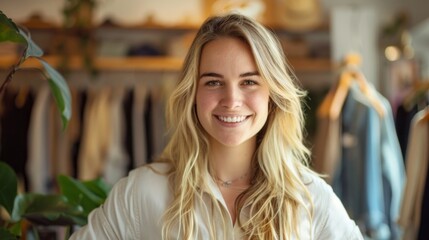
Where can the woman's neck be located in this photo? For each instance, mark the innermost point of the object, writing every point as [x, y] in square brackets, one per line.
[232, 162]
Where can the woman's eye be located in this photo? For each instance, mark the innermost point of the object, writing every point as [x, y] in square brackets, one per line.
[249, 82]
[213, 83]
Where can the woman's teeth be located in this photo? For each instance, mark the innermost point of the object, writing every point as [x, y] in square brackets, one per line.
[235, 119]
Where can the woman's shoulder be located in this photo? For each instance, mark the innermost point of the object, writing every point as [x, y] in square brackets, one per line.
[330, 219]
[149, 185]
[150, 173]
[315, 184]
[321, 193]
[150, 179]
[156, 169]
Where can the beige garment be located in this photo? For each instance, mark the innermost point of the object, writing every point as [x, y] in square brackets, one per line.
[62, 139]
[139, 126]
[96, 134]
[115, 161]
[416, 165]
[327, 146]
[39, 144]
[159, 97]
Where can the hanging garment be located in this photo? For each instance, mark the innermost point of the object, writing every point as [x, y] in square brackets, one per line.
[370, 175]
[327, 150]
[358, 180]
[159, 135]
[403, 125]
[128, 138]
[148, 119]
[394, 176]
[115, 162]
[38, 166]
[96, 134]
[15, 121]
[138, 126]
[417, 164]
[424, 220]
[414, 101]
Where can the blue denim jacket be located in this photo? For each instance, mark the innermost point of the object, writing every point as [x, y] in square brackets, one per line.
[370, 177]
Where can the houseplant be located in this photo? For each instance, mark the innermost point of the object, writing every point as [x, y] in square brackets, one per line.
[68, 208]
[76, 199]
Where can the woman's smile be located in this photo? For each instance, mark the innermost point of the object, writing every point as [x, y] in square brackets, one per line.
[232, 119]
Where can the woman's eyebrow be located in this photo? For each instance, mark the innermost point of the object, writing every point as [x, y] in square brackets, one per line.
[211, 74]
[217, 75]
[249, 74]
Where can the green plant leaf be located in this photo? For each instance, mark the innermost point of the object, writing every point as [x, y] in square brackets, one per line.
[98, 187]
[15, 229]
[8, 188]
[9, 31]
[32, 50]
[6, 235]
[60, 91]
[47, 210]
[78, 193]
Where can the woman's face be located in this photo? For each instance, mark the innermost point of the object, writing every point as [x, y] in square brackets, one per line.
[232, 98]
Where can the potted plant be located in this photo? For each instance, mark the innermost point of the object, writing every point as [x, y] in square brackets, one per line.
[76, 198]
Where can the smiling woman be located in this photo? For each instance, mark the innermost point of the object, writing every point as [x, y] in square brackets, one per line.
[235, 166]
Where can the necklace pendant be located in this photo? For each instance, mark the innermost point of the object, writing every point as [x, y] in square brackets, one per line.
[227, 183]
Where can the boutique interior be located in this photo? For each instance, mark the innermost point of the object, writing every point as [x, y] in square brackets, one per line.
[121, 60]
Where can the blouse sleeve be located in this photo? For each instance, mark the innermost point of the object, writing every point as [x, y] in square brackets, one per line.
[331, 220]
[112, 220]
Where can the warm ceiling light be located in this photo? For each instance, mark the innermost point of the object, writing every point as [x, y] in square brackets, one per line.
[392, 53]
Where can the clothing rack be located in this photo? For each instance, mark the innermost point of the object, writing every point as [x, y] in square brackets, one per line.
[28, 86]
[357, 148]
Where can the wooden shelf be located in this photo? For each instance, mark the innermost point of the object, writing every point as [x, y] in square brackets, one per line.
[151, 64]
[42, 25]
[311, 64]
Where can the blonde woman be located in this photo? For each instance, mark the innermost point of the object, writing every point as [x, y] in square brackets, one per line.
[236, 166]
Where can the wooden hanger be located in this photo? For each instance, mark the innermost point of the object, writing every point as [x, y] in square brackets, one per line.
[334, 101]
[426, 116]
[21, 97]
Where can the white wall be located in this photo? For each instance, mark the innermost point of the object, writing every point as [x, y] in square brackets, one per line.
[418, 9]
[420, 36]
[353, 30]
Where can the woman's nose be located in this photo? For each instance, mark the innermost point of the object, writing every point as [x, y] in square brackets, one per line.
[231, 98]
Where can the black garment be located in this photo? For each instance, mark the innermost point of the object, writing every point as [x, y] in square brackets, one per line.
[128, 112]
[402, 124]
[75, 148]
[149, 128]
[15, 122]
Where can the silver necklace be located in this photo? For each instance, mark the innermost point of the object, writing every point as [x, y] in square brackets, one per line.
[228, 183]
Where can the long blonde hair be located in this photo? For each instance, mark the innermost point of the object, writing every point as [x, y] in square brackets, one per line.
[280, 157]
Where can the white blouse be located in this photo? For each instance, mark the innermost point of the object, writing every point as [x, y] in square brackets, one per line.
[136, 204]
